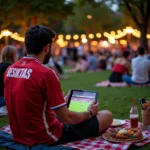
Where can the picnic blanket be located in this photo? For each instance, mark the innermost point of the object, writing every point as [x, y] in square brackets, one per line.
[98, 143]
[7, 142]
[117, 84]
[113, 84]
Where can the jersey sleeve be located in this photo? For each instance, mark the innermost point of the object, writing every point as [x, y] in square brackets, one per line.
[54, 94]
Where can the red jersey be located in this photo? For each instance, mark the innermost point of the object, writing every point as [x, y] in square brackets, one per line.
[32, 92]
[120, 68]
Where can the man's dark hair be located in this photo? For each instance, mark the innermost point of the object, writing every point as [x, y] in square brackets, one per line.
[126, 53]
[37, 37]
[141, 50]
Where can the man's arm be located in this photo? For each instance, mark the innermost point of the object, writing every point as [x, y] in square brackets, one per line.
[69, 117]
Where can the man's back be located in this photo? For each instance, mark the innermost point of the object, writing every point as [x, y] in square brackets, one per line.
[31, 96]
[140, 68]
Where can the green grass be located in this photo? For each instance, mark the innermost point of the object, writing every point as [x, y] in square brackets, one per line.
[117, 100]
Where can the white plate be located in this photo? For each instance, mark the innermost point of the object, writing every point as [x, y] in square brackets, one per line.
[117, 123]
[104, 136]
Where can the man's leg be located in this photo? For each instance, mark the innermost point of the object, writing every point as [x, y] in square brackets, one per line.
[105, 119]
[127, 79]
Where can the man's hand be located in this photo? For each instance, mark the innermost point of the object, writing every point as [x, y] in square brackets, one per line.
[67, 97]
[93, 108]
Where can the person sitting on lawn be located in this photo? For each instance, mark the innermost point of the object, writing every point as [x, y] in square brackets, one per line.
[120, 68]
[8, 56]
[80, 66]
[92, 61]
[37, 110]
[140, 69]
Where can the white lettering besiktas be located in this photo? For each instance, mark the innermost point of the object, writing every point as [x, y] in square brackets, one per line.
[19, 73]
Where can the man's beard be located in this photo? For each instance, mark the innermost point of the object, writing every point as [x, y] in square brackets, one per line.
[47, 57]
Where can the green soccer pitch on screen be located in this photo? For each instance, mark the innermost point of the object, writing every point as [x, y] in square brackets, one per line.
[79, 106]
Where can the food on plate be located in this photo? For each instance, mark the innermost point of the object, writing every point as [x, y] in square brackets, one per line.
[124, 134]
[116, 122]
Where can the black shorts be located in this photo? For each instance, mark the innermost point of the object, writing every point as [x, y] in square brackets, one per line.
[86, 129]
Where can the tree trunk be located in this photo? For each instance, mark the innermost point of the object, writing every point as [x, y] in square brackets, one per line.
[143, 38]
[34, 20]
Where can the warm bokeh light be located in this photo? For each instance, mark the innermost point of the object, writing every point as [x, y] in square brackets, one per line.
[148, 36]
[91, 36]
[83, 36]
[60, 36]
[59, 41]
[63, 44]
[89, 16]
[111, 40]
[84, 40]
[5, 33]
[123, 42]
[106, 34]
[105, 44]
[119, 31]
[68, 37]
[94, 43]
[128, 30]
[112, 33]
[98, 35]
[76, 44]
[75, 37]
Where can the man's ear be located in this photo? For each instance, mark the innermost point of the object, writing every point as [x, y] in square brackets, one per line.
[46, 48]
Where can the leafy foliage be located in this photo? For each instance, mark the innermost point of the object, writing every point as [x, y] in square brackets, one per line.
[102, 19]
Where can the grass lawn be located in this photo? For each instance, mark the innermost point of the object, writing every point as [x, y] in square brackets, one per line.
[117, 100]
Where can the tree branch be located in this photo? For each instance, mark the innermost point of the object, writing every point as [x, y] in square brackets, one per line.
[131, 13]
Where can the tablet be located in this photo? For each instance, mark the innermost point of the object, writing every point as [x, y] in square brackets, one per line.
[80, 100]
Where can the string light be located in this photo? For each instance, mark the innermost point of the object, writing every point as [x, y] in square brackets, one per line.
[68, 37]
[112, 36]
[98, 35]
[112, 33]
[89, 16]
[84, 40]
[76, 44]
[75, 37]
[94, 43]
[123, 42]
[148, 36]
[83, 36]
[60, 36]
[111, 40]
[91, 36]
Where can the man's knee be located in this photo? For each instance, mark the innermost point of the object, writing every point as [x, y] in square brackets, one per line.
[105, 119]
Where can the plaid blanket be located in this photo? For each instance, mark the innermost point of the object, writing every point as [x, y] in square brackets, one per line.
[98, 143]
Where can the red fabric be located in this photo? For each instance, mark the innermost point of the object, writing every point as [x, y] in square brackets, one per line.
[32, 91]
[120, 68]
[98, 143]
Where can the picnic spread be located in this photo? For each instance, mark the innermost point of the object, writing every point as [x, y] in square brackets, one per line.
[99, 143]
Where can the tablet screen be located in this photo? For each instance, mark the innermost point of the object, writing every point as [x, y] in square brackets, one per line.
[80, 100]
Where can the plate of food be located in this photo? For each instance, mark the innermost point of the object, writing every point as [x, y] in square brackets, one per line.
[124, 135]
[117, 123]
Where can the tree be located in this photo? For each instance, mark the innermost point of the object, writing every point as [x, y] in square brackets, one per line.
[139, 10]
[26, 13]
[140, 13]
[92, 18]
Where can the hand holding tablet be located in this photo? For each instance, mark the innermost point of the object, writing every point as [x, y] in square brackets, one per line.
[81, 101]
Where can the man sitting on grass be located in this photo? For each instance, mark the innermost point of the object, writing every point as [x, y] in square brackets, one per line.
[34, 98]
[140, 69]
